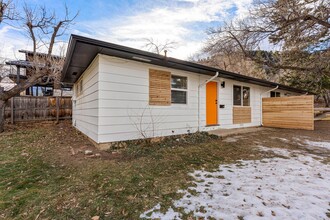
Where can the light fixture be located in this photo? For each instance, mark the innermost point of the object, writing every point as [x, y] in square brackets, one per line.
[223, 84]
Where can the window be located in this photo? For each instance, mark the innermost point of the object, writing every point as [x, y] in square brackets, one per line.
[40, 91]
[241, 96]
[79, 87]
[275, 94]
[237, 95]
[246, 96]
[179, 89]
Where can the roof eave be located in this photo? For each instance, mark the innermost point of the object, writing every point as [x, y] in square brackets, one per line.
[166, 62]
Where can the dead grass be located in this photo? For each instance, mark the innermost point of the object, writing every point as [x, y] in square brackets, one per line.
[39, 176]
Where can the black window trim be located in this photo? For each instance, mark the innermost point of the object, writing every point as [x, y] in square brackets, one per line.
[177, 89]
[276, 93]
[242, 97]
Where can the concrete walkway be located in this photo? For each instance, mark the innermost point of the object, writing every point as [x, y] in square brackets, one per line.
[236, 131]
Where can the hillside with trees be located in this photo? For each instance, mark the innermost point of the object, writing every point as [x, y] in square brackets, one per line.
[298, 44]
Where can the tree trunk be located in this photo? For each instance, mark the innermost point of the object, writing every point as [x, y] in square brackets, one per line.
[2, 115]
[326, 98]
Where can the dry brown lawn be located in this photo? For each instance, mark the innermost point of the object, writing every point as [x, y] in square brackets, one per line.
[44, 173]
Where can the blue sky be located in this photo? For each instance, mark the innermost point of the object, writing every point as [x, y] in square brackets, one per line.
[130, 22]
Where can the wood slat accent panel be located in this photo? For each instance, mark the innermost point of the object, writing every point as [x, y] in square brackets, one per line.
[295, 112]
[159, 87]
[241, 114]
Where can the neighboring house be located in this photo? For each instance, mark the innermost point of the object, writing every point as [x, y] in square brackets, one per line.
[48, 86]
[7, 84]
[122, 93]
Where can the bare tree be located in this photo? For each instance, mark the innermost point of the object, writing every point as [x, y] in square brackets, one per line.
[146, 122]
[299, 29]
[159, 47]
[3, 69]
[297, 35]
[7, 10]
[43, 28]
[235, 62]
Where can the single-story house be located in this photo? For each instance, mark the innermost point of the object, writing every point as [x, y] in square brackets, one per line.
[121, 93]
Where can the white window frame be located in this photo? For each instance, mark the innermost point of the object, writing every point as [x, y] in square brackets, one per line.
[176, 89]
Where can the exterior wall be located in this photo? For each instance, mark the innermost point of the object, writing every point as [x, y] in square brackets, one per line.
[115, 106]
[124, 103]
[85, 105]
[225, 97]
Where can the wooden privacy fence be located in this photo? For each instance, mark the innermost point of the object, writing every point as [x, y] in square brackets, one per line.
[295, 112]
[31, 108]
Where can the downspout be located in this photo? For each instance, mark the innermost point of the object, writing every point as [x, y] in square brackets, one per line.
[199, 88]
[261, 103]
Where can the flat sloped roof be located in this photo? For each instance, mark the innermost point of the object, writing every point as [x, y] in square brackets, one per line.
[82, 50]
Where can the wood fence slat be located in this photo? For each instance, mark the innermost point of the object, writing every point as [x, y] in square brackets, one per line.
[12, 110]
[295, 112]
[57, 109]
[30, 108]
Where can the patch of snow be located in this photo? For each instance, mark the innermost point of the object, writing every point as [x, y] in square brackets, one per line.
[230, 140]
[272, 188]
[170, 214]
[279, 151]
[296, 139]
[281, 139]
[320, 144]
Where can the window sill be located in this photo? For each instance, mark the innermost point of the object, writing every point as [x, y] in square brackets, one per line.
[179, 103]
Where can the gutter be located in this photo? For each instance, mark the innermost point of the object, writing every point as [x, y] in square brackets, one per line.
[199, 88]
[261, 122]
[123, 52]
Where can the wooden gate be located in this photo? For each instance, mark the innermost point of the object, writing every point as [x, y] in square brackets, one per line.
[296, 112]
[34, 108]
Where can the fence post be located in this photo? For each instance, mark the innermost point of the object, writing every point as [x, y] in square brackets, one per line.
[12, 110]
[57, 109]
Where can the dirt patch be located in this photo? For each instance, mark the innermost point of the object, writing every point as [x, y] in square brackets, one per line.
[62, 139]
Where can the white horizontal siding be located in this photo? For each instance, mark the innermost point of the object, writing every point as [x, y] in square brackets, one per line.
[115, 103]
[225, 97]
[85, 106]
[124, 97]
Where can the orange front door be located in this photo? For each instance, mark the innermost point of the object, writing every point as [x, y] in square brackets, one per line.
[211, 103]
